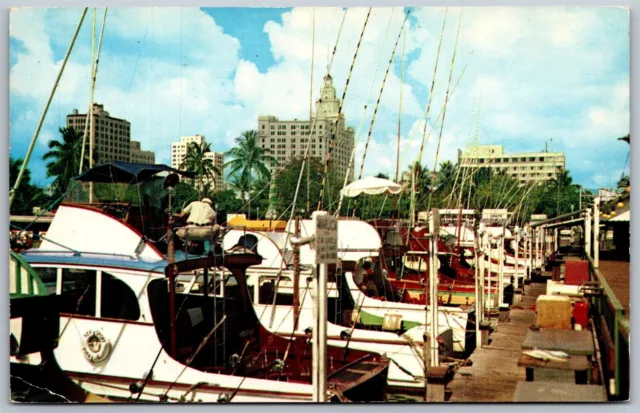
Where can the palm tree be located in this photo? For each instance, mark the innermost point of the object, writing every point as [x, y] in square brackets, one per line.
[198, 161]
[446, 175]
[239, 184]
[65, 157]
[562, 180]
[249, 159]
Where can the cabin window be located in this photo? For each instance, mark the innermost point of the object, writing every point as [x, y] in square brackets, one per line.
[266, 290]
[117, 299]
[49, 277]
[79, 285]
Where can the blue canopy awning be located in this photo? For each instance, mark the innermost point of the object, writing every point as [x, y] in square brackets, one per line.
[126, 172]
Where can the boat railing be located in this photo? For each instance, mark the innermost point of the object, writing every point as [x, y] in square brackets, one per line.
[609, 315]
[76, 253]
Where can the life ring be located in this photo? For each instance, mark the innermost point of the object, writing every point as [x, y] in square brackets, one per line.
[95, 346]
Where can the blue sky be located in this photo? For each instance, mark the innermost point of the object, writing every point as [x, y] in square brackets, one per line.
[531, 76]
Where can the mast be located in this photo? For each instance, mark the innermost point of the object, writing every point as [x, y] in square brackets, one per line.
[91, 119]
[12, 193]
[313, 43]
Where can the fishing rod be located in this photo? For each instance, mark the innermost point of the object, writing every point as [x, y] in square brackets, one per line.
[335, 125]
[364, 113]
[304, 160]
[16, 185]
[94, 75]
[384, 80]
[375, 110]
[446, 100]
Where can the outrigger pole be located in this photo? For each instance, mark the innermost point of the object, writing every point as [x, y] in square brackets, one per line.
[12, 193]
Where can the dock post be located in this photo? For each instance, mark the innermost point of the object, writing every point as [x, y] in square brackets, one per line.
[478, 285]
[587, 232]
[501, 257]
[596, 232]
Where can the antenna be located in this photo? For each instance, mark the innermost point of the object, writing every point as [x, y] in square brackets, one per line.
[327, 58]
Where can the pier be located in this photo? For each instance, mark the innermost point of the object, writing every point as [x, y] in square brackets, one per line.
[494, 373]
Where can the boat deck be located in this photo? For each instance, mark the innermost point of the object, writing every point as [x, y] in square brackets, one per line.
[494, 374]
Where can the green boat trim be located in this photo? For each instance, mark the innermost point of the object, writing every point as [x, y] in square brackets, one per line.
[18, 270]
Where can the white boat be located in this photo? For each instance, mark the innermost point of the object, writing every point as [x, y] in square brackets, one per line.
[406, 372]
[117, 339]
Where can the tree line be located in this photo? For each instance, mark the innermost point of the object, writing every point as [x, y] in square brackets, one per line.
[249, 177]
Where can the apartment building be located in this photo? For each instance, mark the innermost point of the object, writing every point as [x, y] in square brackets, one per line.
[288, 139]
[137, 155]
[179, 152]
[526, 167]
[112, 135]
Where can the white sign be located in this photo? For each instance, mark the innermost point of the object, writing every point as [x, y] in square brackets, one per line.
[326, 238]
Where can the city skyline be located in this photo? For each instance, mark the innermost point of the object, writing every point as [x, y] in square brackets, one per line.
[556, 76]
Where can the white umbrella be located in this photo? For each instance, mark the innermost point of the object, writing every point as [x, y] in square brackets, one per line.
[371, 186]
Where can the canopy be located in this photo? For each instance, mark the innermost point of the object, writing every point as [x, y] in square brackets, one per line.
[371, 186]
[623, 217]
[126, 172]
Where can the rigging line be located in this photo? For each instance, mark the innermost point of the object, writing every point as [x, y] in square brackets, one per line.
[476, 144]
[155, 361]
[375, 110]
[433, 82]
[337, 122]
[304, 160]
[16, 184]
[505, 197]
[188, 362]
[438, 118]
[91, 88]
[444, 114]
[364, 113]
[135, 66]
[404, 46]
[313, 44]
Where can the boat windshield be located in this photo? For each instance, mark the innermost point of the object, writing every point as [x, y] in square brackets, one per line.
[139, 204]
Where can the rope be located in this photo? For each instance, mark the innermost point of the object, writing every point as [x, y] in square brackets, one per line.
[364, 113]
[335, 125]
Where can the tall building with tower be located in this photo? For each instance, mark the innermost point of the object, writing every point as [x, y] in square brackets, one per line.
[179, 152]
[287, 139]
[112, 137]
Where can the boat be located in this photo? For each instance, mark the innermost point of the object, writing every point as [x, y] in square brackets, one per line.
[122, 287]
[35, 375]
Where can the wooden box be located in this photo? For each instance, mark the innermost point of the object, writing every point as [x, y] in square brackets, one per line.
[553, 311]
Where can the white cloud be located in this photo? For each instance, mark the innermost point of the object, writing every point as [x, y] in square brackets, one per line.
[539, 73]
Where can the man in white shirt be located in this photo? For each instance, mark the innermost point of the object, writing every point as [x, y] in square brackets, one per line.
[201, 214]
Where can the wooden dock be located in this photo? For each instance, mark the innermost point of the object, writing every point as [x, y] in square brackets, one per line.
[494, 374]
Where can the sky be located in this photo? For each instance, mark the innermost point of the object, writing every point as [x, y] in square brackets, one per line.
[525, 78]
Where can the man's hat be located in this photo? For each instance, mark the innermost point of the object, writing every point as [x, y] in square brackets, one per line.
[207, 200]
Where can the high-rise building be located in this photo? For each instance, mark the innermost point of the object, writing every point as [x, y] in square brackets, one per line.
[179, 152]
[112, 135]
[287, 139]
[137, 155]
[525, 167]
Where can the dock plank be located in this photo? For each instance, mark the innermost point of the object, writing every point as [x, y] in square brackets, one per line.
[494, 374]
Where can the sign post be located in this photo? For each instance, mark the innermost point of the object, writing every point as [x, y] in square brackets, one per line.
[325, 248]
